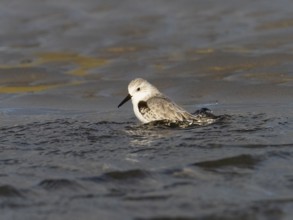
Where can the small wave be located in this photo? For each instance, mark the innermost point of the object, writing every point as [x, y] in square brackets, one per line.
[56, 184]
[147, 198]
[9, 191]
[240, 161]
[128, 175]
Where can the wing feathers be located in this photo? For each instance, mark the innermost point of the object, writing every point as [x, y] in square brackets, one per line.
[162, 108]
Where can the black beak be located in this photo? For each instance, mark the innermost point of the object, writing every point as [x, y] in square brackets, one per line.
[125, 100]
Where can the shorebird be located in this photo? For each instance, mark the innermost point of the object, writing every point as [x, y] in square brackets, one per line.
[149, 105]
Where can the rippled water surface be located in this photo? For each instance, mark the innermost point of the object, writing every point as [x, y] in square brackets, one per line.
[67, 152]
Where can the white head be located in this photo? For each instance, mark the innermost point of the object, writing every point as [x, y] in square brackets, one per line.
[139, 90]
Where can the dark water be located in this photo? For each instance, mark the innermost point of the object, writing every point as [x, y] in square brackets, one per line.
[240, 168]
[67, 152]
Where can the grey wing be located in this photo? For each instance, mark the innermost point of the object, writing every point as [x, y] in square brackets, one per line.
[162, 108]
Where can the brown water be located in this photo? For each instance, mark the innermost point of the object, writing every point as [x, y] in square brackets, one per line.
[67, 152]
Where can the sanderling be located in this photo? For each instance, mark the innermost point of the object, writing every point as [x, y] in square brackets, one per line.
[149, 105]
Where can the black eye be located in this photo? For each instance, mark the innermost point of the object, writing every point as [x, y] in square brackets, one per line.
[138, 89]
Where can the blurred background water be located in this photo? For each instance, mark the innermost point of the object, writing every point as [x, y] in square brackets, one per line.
[67, 152]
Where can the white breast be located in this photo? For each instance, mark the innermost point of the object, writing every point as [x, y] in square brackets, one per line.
[138, 114]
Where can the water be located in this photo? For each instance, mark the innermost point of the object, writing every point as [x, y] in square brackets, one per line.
[67, 152]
